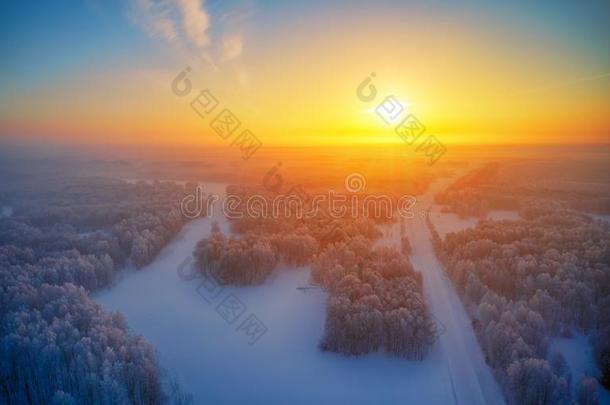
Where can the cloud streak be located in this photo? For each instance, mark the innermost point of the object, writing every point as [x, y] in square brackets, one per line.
[232, 47]
[172, 20]
[187, 25]
[196, 21]
[566, 83]
[154, 18]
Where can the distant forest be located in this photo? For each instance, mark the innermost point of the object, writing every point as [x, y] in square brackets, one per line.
[582, 186]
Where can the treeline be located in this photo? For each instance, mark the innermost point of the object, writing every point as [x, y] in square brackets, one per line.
[128, 222]
[66, 238]
[376, 297]
[251, 257]
[405, 245]
[236, 261]
[510, 186]
[475, 193]
[525, 281]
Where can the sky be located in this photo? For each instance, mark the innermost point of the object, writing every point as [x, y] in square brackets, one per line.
[101, 72]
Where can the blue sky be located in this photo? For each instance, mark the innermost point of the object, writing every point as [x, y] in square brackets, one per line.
[40, 39]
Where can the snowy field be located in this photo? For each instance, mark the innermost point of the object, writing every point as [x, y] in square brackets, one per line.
[216, 363]
[213, 360]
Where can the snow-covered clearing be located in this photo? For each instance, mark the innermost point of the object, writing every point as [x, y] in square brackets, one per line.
[214, 361]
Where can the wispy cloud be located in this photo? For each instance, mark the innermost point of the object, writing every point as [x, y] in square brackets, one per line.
[566, 83]
[232, 47]
[195, 20]
[187, 24]
[154, 17]
[238, 15]
[173, 20]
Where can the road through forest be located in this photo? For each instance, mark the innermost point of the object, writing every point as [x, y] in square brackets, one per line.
[471, 378]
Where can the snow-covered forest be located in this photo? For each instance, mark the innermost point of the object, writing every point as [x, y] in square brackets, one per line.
[376, 301]
[522, 282]
[525, 281]
[376, 296]
[64, 239]
[511, 185]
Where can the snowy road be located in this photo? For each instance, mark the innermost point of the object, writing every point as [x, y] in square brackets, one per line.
[471, 378]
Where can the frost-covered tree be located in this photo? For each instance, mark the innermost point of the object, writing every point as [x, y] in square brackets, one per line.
[376, 301]
[532, 382]
[586, 393]
[236, 261]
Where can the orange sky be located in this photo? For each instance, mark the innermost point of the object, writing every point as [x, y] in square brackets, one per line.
[468, 79]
